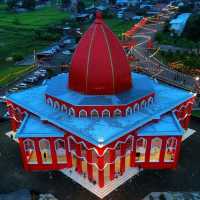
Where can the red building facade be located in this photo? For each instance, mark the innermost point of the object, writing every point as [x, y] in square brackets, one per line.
[52, 128]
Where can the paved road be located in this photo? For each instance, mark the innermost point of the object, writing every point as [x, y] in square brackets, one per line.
[154, 66]
[185, 178]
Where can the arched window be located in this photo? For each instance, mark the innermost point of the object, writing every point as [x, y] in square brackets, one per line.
[136, 107]
[117, 113]
[71, 112]
[30, 153]
[118, 150]
[82, 113]
[143, 104]
[106, 113]
[94, 113]
[56, 105]
[141, 145]
[50, 102]
[129, 144]
[60, 151]
[72, 145]
[150, 101]
[170, 151]
[64, 108]
[156, 145]
[45, 151]
[128, 111]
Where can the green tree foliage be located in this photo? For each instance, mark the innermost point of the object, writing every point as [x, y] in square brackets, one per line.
[29, 4]
[80, 6]
[11, 4]
[192, 30]
[66, 3]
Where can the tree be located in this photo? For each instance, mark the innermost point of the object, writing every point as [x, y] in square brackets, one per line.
[11, 4]
[66, 3]
[29, 4]
[80, 6]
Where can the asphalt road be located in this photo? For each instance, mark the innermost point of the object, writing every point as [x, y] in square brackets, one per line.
[185, 178]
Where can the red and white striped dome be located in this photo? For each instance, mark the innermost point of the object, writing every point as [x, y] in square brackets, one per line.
[99, 65]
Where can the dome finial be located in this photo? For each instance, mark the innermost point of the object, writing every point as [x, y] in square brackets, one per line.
[99, 17]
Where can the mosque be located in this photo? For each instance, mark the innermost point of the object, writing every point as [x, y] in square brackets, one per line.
[100, 121]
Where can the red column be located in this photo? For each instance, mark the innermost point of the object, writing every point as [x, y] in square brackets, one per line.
[112, 166]
[68, 153]
[133, 152]
[100, 164]
[89, 166]
[23, 155]
[122, 159]
[38, 153]
[163, 149]
[79, 162]
[53, 152]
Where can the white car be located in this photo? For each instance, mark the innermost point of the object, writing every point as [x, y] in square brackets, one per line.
[22, 85]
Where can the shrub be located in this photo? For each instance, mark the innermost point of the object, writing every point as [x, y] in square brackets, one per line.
[162, 197]
[17, 57]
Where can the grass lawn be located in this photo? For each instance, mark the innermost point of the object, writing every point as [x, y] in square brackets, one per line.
[118, 26]
[17, 33]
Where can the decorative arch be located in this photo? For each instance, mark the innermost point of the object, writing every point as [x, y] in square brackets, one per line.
[50, 101]
[136, 107]
[45, 151]
[156, 145]
[150, 101]
[170, 150]
[94, 113]
[143, 104]
[60, 148]
[71, 112]
[128, 111]
[64, 108]
[117, 113]
[30, 153]
[106, 113]
[141, 145]
[56, 105]
[82, 113]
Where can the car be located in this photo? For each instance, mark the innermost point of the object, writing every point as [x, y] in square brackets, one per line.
[21, 85]
[14, 89]
[2, 98]
[67, 52]
[42, 70]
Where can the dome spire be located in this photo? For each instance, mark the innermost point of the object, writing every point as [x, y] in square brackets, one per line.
[99, 65]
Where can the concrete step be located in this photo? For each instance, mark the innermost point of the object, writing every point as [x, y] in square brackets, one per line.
[95, 189]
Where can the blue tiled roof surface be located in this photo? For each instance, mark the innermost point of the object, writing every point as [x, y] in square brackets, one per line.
[103, 129]
[167, 125]
[58, 87]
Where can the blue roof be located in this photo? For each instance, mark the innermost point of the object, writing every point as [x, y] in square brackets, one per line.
[64, 93]
[167, 125]
[102, 129]
[32, 126]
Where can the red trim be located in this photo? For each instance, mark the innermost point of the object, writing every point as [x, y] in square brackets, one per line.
[100, 163]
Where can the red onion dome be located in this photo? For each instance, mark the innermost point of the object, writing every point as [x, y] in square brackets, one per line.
[99, 65]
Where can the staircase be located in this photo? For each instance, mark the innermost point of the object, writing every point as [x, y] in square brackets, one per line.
[95, 189]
